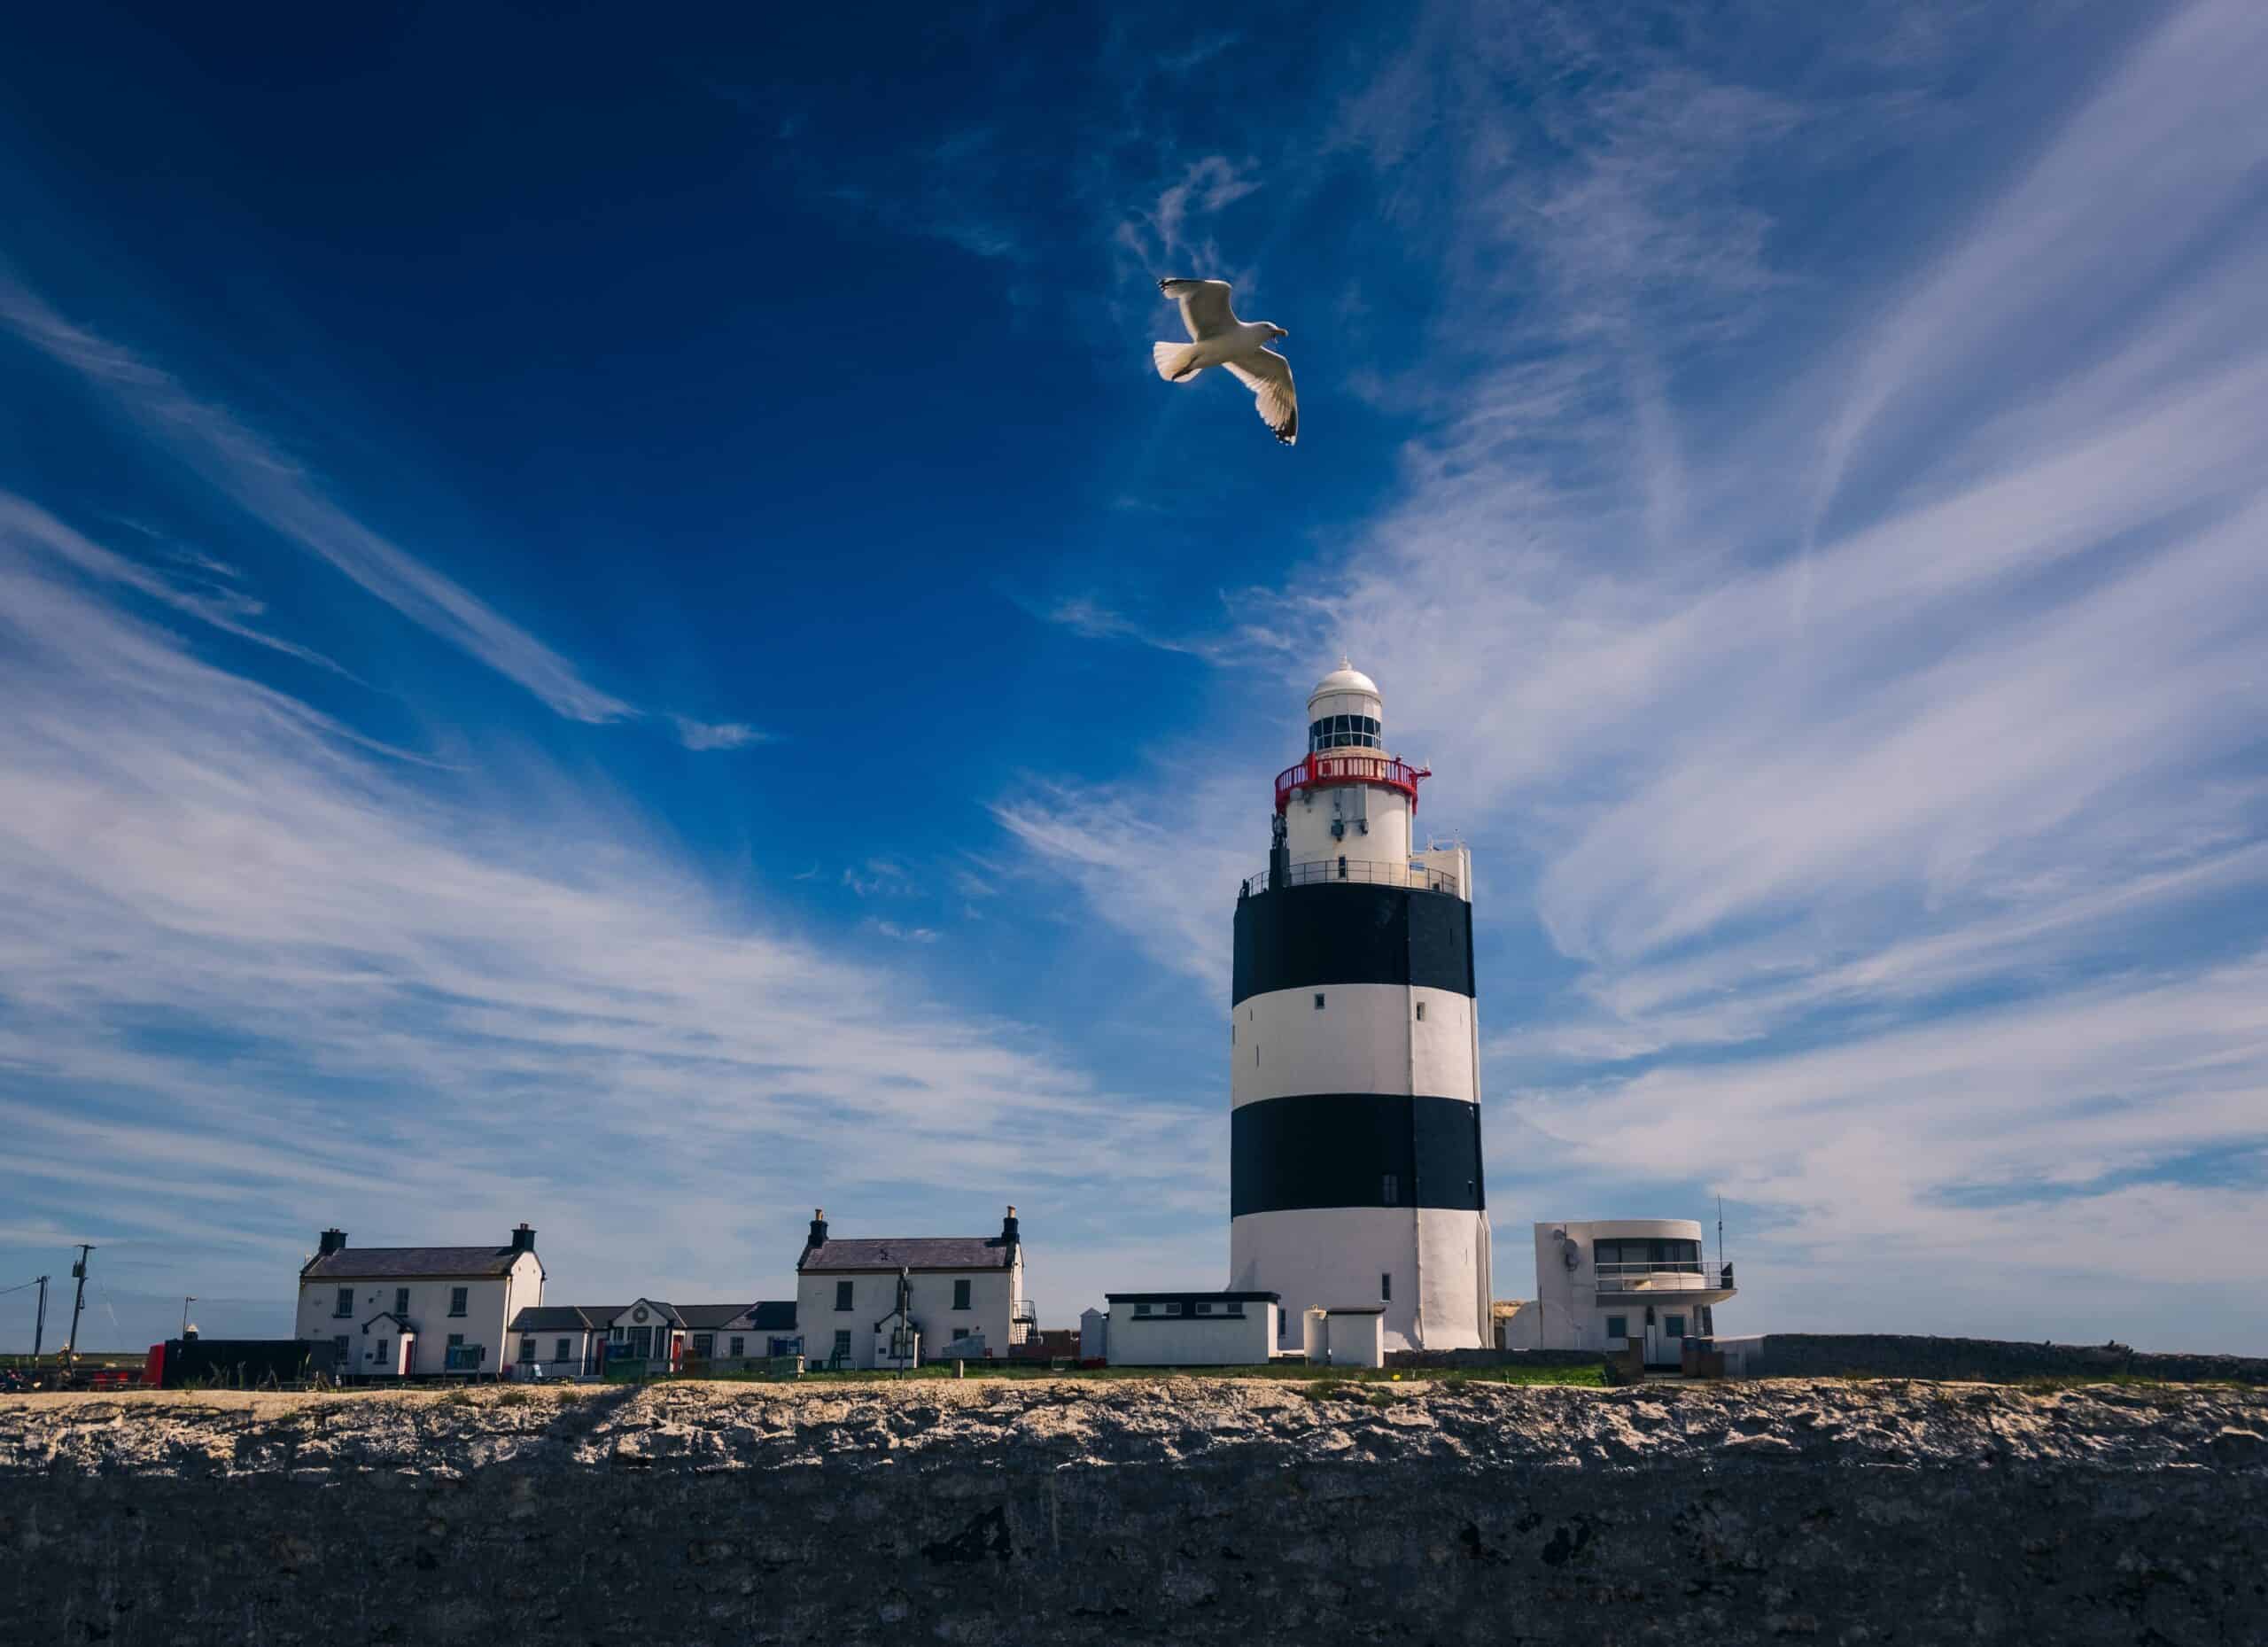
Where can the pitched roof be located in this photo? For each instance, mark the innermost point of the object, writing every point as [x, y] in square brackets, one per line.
[363, 1263]
[914, 1252]
[702, 1318]
[776, 1314]
[566, 1318]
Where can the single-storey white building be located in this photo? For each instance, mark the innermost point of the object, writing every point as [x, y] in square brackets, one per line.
[961, 1287]
[1190, 1329]
[575, 1340]
[453, 1304]
[1602, 1285]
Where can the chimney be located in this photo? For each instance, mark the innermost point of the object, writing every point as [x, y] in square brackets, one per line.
[1008, 1228]
[332, 1241]
[523, 1238]
[817, 1237]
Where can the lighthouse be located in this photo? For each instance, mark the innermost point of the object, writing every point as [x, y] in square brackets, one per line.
[1355, 1119]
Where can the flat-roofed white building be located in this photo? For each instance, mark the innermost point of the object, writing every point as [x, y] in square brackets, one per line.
[455, 1304]
[1606, 1283]
[1190, 1329]
[959, 1287]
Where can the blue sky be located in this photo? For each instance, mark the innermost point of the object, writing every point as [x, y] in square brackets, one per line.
[608, 624]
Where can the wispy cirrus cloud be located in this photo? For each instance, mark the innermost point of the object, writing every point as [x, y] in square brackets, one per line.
[275, 489]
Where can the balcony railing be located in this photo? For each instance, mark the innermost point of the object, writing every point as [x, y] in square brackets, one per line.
[1332, 768]
[1668, 1276]
[1358, 871]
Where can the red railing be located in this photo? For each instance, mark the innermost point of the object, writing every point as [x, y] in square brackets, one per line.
[1323, 772]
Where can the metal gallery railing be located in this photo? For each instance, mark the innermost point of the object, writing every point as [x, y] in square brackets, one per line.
[1358, 872]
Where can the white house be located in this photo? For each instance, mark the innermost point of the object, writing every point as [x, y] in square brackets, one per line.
[1190, 1329]
[1600, 1286]
[453, 1304]
[962, 1287]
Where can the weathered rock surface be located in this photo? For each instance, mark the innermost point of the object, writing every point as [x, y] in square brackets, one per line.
[1181, 1511]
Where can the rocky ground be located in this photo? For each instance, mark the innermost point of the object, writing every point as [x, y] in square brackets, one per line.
[1182, 1510]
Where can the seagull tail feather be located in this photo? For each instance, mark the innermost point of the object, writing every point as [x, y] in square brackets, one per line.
[1173, 361]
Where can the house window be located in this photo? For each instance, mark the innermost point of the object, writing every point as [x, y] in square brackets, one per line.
[345, 1307]
[1386, 1286]
[1421, 1011]
[1618, 1326]
[843, 1343]
[842, 1294]
[456, 1340]
[1141, 1309]
[1708, 1322]
[705, 1344]
[1389, 1190]
[563, 1353]
[378, 1352]
[1674, 1325]
[457, 1301]
[961, 1296]
[338, 1350]
[401, 1301]
[527, 1350]
[740, 1346]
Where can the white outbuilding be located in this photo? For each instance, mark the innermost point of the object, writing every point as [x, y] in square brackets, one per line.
[1190, 1329]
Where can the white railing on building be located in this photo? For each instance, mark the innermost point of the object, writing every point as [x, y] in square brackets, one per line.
[1667, 1275]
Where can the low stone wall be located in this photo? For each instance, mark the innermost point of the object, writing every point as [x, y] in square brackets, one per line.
[1982, 1360]
[1188, 1511]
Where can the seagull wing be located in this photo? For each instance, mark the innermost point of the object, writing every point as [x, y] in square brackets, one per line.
[1204, 305]
[1269, 376]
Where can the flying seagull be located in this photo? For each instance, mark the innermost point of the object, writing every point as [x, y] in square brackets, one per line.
[1217, 338]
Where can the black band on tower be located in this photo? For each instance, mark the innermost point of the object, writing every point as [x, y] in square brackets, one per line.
[1308, 936]
[1354, 1149]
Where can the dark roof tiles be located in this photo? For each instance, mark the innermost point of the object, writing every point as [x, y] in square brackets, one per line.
[364, 1264]
[917, 1251]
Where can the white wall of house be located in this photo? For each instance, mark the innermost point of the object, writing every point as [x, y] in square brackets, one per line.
[562, 1352]
[993, 1295]
[490, 1304]
[1189, 1340]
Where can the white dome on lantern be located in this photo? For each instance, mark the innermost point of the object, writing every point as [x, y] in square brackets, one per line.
[1346, 678]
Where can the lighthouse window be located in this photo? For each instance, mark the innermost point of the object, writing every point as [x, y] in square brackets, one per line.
[1421, 1011]
[1318, 1000]
[1386, 1286]
[1340, 732]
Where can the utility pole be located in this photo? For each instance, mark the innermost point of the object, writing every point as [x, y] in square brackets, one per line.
[79, 1300]
[39, 1321]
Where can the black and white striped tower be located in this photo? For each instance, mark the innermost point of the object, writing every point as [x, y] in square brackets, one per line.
[1355, 1128]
